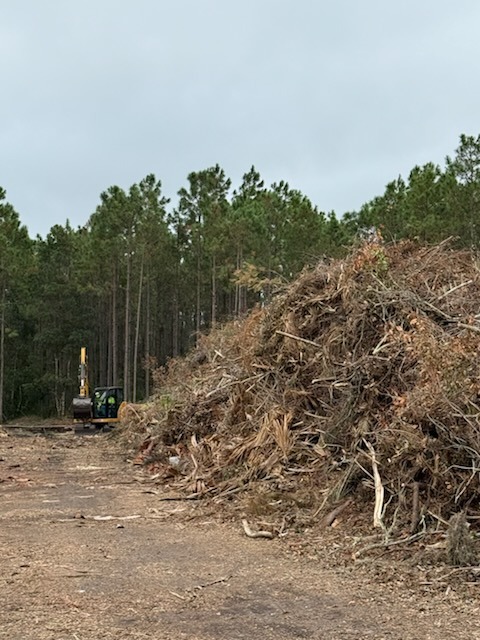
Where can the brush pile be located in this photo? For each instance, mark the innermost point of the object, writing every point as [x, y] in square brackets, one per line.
[359, 384]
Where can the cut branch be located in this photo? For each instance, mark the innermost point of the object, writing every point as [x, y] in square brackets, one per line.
[379, 490]
[415, 508]
[255, 534]
[330, 518]
[293, 337]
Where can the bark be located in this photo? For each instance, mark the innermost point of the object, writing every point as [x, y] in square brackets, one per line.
[175, 323]
[56, 391]
[114, 328]
[147, 340]
[237, 286]
[126, 350]
[103, 350]
[2, 352]
[137, 333]
[242, 293]
[214, 292]
[109, 344]
[198, 311]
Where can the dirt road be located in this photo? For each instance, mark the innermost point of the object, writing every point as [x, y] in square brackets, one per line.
[89, 552]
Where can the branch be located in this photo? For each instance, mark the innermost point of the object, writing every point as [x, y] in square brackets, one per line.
[471, 327]
[330, 518]
[255, 534]
[415, 508]
[459, 286]
[293, 337]
[384, 545]
[379, 490]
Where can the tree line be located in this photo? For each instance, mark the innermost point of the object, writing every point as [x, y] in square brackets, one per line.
[142, 279]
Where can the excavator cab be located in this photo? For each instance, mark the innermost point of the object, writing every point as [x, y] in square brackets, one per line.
[106, 402]
[102, 407]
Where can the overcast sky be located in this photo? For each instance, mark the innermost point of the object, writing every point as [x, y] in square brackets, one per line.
[338, 97]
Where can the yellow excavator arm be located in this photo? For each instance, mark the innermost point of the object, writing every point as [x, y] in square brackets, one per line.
[82, 404]
[83, 374]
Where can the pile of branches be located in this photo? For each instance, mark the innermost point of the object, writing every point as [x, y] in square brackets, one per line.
[358, 384]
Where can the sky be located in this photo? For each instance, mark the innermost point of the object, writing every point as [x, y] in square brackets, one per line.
[338, 98]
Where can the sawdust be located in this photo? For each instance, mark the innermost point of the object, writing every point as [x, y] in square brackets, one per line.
[181, 570]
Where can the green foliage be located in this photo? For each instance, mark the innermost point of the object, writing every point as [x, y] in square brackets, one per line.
[464, 197]
[16, 266]
[433, 204]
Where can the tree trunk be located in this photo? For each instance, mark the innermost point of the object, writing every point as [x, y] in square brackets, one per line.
[109, 342]
[214, 292]
[175, 311]
[236, 309]
[114, 345]
[175, 323]
[137, 333]
[104, 371]
[56, 392]
[126, 349]
[2, 351]
[240, 290]
[147, 341]
[198, 311]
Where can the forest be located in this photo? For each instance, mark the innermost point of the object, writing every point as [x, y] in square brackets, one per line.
[142, 279]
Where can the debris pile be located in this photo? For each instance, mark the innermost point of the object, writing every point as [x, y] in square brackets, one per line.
[358, 385]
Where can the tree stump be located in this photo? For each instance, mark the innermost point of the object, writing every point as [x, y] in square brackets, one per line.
[460, 543]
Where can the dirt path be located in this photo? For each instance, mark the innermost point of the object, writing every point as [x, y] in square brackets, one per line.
[88, 553]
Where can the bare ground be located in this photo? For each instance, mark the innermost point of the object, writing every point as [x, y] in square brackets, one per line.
[89, 551]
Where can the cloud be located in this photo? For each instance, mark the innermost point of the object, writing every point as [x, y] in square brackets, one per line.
[335, 98]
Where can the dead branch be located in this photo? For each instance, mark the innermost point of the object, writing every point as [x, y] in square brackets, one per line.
[415, 508]
[379, 490]
[255, 534]
[330, 518]
[470, 327]
[392, 543]
[459, 286]
[226, 385]
[298, 338]
[212, 582]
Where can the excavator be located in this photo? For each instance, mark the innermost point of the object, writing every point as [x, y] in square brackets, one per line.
[103, 407]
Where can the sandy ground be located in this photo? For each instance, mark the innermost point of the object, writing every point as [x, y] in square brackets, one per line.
[89, 551]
